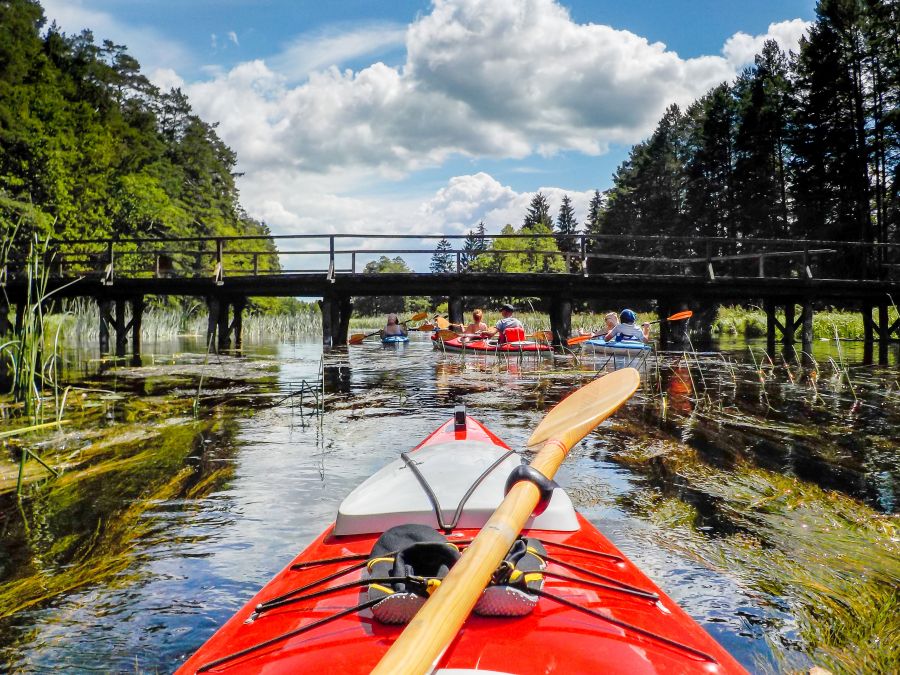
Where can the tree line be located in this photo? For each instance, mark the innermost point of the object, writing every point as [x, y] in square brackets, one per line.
[90, 148]
[801, 145]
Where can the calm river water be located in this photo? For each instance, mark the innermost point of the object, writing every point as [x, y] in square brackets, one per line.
[755, 494]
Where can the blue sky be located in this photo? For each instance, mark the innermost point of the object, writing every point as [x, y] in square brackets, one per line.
[419, 117]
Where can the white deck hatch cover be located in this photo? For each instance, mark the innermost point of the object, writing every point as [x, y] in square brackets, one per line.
[393, 496]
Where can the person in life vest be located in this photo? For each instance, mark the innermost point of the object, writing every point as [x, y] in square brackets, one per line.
[509, 328]
[393, 327]
[627, 330]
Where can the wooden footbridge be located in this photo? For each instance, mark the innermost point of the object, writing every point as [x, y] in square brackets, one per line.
[791, 277]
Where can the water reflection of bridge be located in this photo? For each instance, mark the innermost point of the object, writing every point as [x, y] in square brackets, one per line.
[790, 277]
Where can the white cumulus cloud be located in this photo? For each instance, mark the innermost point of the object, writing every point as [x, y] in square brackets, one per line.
[741, 48]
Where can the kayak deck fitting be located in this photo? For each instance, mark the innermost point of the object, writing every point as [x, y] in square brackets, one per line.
[594, 610]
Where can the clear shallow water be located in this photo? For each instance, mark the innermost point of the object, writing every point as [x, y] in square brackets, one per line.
[259, 482]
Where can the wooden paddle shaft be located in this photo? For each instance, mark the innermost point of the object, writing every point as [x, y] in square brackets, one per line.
[434, 627]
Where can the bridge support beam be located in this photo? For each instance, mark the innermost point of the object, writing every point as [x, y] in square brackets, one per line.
[792, 323]
[560, 321]
[455, 310]
[212, 323]
[106, 320]
[137, 316]
[237, 323]
[224, 335]
[121, 329]
[336, 313]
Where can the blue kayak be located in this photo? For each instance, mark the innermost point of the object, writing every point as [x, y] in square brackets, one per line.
[601, 346]
[394, 339]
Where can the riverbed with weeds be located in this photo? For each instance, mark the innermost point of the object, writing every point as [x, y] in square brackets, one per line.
[759, 490]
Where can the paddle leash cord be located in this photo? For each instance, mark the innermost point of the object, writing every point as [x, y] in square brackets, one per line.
[622, 624]
[432, 497]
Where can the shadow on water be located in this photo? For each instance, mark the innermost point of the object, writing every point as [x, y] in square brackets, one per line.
[759, 492]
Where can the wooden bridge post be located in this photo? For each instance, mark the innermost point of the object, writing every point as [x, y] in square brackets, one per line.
[237, 323]
[325, 305]
[121, 331]
[455, 310]
[883, 333]
[868, 332]
[771, 324]
[345, 308]
[212, 323]
[105, 306]
[787, 333]
[560, 321]
[137, 315]
[224, 336]
[806, 330]
[664, 309]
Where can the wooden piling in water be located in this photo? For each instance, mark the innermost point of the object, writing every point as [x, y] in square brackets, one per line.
[455, 310]
[224, 336]
[137, 315]
[105, 321]
[212, 323]
[560, 320]
[237, 323]
[120, 328]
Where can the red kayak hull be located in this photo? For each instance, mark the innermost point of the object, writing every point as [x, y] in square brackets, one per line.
[486, 347]
[553, 638]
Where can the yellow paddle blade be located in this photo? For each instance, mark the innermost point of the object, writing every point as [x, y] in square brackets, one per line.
[576, 415]
[687, 314]
[441, 322]
[542, 335]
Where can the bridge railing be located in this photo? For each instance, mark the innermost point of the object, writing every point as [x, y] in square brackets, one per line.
[340, 254]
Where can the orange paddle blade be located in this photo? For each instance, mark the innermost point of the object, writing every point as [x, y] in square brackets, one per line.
[578, 339]
[356, 338]
[418, 316]
[447, 335]
[687, 314]
[426, 326]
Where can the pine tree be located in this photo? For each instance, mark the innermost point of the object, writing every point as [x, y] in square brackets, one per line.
[475, 244]
[566, 224]
[539, 212]
[442, 260]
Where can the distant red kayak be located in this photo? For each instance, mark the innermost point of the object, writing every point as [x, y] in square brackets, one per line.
[570, 603]
[489, 346]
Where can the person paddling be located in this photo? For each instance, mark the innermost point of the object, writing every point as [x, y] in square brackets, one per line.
[393, 327]
[475, 329]
[627, 330]
[507, 323]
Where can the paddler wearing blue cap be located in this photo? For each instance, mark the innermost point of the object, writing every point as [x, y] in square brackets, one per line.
[627, 330]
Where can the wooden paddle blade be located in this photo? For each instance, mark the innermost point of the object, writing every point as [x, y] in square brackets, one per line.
[578, 339]
[687, 314]
[576, 415]
[441, 322]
